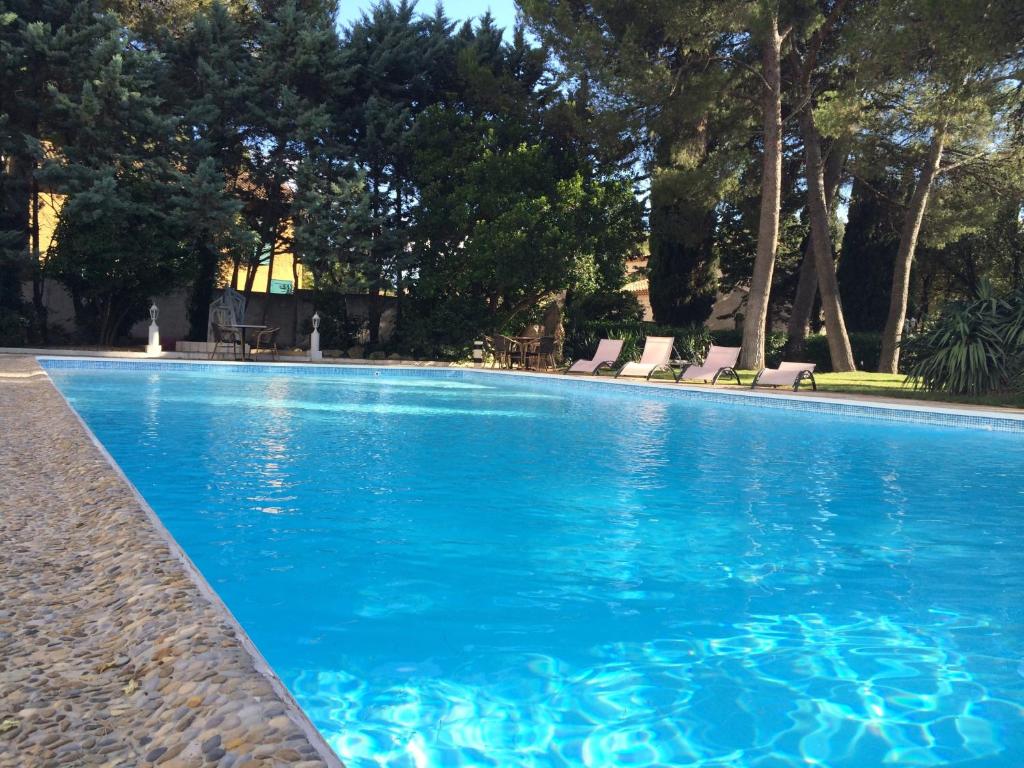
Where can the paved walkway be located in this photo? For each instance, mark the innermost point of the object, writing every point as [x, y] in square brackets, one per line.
[111, 652]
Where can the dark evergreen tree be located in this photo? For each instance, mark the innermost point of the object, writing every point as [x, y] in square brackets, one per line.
[209, 86]
[44, 45]
[869, 248]
[118, 236]
[391, 54]
[296, 80]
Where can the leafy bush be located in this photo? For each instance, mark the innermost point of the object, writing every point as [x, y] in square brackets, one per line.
[975, 347]
[608, 306]
[867, 347]
[14, 328]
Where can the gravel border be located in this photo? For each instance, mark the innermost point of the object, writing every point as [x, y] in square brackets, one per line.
[114, 651]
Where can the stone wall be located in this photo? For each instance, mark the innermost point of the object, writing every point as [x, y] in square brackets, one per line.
[275, 310]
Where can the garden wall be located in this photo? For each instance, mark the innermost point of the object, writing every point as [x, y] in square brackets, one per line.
[275, 310]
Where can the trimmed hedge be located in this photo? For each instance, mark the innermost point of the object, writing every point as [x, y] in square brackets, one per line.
[693, 342]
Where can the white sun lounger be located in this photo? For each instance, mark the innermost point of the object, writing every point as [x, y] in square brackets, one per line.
[607, 353]
[718, 362]
[656, 355]
[786, 375]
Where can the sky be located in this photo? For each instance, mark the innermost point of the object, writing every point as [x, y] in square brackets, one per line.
[504, 11]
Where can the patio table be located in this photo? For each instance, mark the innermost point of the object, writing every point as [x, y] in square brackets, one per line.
[523, 346]
[243, 327]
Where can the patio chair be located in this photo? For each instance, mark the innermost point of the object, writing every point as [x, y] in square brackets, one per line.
[542, 350]
[607, 353]
[224, 334]
[266, 341]
[656, 356]
[502, 347]
[720, 361]
[786, 375]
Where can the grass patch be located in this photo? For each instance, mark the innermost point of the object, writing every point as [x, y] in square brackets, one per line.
[883, 385]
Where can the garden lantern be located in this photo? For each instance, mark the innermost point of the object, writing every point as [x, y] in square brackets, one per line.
[314, 339]
[153, 347]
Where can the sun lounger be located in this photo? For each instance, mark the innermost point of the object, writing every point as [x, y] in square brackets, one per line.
[656, 356]
[786, 375]
[720, 361]
[607, 353]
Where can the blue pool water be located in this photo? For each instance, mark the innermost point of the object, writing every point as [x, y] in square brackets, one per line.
[482, 570]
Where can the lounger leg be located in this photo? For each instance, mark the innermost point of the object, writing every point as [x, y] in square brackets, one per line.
[757, 376]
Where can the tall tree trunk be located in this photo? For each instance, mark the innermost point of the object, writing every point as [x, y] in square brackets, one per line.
[38, 273]
[889, 360]
[202, 291]
[755, 322]
[295, 301]
[15, 204]
[374, 310]
[250, 274]
[807, 286]
[821, 241]
[799, 324]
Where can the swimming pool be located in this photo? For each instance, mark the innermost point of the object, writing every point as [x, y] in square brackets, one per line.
[454, 568]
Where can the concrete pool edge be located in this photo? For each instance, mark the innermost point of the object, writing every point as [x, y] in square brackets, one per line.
[871, 407]
[222, 647]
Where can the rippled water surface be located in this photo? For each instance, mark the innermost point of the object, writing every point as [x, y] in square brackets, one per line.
[487, 571]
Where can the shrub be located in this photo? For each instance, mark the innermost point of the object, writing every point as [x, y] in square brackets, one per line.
[14, 327]
[973, 348]
[608, 306]
[867, 347]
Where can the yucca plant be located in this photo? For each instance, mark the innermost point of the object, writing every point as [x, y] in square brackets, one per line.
[974, 347]
[1012, 330]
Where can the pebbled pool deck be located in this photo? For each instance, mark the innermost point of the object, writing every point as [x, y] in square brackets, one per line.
[113, 651]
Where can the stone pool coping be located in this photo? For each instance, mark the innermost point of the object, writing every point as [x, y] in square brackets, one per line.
[877, 408]
[114, 650]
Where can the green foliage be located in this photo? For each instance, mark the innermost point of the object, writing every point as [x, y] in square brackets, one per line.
[866, 347]
[14, 327]
[511, 210]
[604, 306]
[473, 174]
[974, 348]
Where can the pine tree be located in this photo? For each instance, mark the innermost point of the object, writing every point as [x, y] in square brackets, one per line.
[941, 87]
[665, 78]
[209, 86]
[116, 169]
[390, 54]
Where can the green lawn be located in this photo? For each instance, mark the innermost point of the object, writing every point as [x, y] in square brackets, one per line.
[888, 385]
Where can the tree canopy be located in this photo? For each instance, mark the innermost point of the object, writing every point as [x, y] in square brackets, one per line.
[839, 162]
